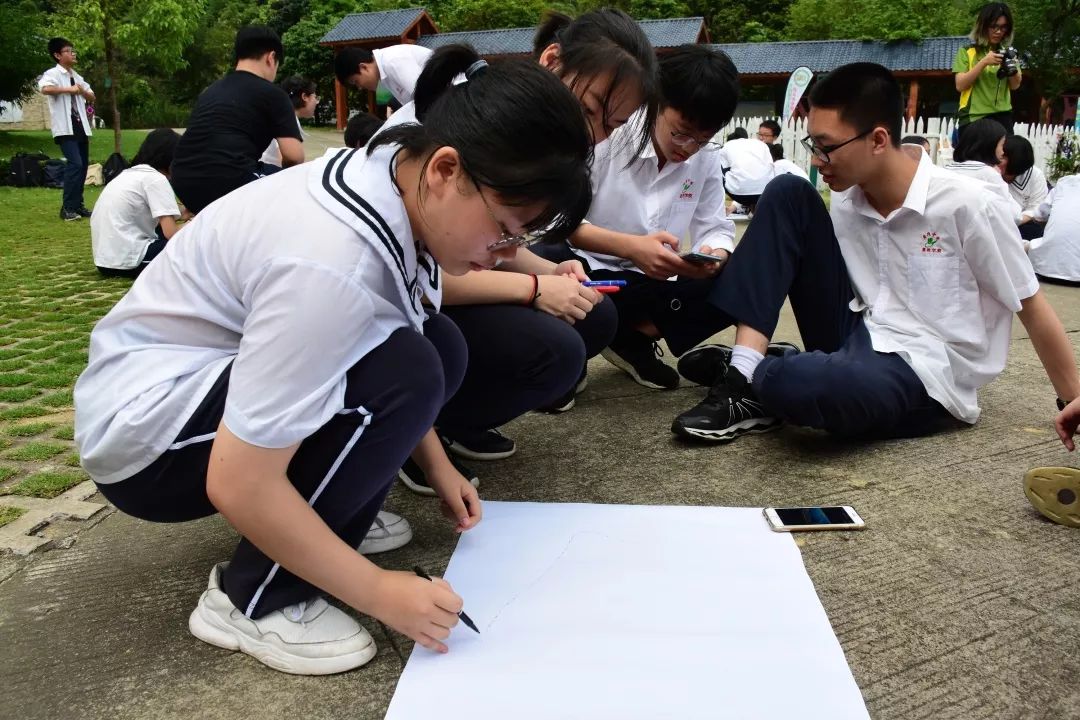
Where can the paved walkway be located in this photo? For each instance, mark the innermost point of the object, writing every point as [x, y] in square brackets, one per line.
[959, 601]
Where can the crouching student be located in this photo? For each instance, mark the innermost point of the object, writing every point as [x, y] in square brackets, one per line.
[530, 324]
[904, 297]
[137, 212]
[1027, 184]
[646, 199]
[290, 379]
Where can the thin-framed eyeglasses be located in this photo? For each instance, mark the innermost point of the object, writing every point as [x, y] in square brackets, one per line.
[686, 141]
[1000, 27]
[821, 152]
[507, 239]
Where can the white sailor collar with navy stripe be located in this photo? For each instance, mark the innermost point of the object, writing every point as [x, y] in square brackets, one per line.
[354, 187]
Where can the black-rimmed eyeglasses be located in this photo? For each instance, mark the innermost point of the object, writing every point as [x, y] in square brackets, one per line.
[821, 152]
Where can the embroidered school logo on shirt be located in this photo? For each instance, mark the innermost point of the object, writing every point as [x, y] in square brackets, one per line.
[685, 193]
[931, 242]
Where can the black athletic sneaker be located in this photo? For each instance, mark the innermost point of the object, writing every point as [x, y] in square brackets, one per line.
[415, 479]
[83, 212]
[478, 444]
[638, 356]
[705, 364]
[729, 410]
[69, 215]
[567, 401]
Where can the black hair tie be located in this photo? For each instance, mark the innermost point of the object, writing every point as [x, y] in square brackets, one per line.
[475, 69]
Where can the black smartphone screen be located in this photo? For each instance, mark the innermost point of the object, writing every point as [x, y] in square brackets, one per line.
[814, 516]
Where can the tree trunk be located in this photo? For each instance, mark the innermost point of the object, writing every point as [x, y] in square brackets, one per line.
[110, 69]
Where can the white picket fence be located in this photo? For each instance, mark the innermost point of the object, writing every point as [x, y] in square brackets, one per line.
[938, 131]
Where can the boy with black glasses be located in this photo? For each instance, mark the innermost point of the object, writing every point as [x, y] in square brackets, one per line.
[904, 296]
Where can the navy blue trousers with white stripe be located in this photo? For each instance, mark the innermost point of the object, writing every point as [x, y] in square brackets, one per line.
[344, 470]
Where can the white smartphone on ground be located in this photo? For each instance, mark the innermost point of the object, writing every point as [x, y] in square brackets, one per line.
[798, 519]
[700, 258]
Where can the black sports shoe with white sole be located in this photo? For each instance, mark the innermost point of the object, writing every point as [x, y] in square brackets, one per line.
[705, 364]
[728, 411]
[638, 355]
[478, 444]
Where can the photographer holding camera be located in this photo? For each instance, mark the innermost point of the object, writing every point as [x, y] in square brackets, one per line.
[988, 70]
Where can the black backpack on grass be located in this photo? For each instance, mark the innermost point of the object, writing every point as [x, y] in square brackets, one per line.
[26, 170]
[54, 173]
[114, 165]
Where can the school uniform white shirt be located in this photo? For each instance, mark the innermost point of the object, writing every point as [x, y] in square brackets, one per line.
[992, 179]
[748, 166]
[1029, 191]
[125, 217]
[783, 166]
[272, 154]
[60, 105]
[1057, 253]
[630, 195]
[293, 294]
[399, 67]
[938, 281]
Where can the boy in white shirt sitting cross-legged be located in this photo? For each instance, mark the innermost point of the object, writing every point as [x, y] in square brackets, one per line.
[904, 296]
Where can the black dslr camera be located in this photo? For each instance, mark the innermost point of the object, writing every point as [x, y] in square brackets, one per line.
[1010, 63]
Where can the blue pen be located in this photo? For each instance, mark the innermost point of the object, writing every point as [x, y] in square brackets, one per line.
[604, 283]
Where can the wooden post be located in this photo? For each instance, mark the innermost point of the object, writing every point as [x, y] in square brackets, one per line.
[913, 99]
[341, 104]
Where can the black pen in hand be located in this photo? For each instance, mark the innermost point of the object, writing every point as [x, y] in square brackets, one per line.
[464, 618]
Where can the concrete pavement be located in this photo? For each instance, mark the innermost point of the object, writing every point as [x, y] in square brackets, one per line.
[959, 601]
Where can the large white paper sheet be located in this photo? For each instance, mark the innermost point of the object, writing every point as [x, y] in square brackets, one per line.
[627, 612]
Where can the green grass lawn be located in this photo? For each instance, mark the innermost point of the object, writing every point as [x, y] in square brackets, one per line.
[101, 143]
[50, 297]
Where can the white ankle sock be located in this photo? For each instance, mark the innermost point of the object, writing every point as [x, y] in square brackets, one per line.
[746, 360]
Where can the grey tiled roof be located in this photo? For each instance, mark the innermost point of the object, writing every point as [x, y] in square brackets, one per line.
[509, 41]
[518, 41]
[672, 32]
[373, 25]
[824, 55]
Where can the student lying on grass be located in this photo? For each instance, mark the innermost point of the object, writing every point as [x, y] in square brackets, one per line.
[282, 382]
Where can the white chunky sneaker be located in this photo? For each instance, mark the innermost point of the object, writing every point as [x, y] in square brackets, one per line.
[310, 638]
[388, 532]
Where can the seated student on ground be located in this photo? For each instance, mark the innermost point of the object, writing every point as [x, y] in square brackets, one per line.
[748, 168]
[136, 213]
[291, 378]
[304, 100]
[360, 129]
[768, 132]
[1056, 255]
[916, 140]
[645, 201]
[783, 166]
[232, 123]
[980, 153]
[1027, 184]
[904, 297]
[394, 68]
[530, 325]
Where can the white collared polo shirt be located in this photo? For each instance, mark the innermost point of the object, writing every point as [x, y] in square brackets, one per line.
[937, 281]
